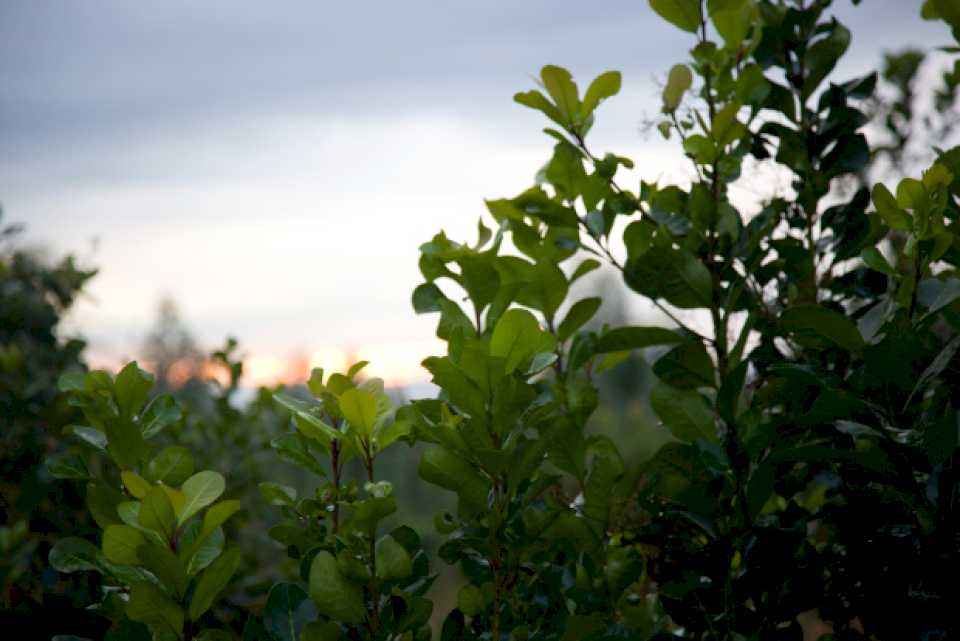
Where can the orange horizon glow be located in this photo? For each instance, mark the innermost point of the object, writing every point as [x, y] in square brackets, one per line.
[398, 364]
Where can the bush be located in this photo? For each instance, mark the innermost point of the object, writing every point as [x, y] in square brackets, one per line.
[810, 482]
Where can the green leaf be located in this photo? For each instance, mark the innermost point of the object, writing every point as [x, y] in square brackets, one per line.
[535, 100]
[426, 298]
[872, 257]
[210, 547]
[334, 595]
[452, 319]
[131, 389]
[684, 14]
[540, 362]
[200, 490]
[686, 366]
[822, 56]
[161, 413]
[444, 468]
[72, 382]
[629, 338]
[67, 466]
[603, 86]
[156, 513]
[732, 19]
[172, 466]
[886, 205]
[583, 269]
[149, 605]
[679, 81]
[102, 501]
[287, 611]
[479, 278]
[517, 337]
[293, 448]
[277, 494]
[559, 84]
[548, 289]
[725, 128]
[819, 327]
[120, 543]
[305, 411]
[935, 368]
[317, 631]
[393, 561]
[684, 412]
[359, 407]
[214, 517]
[136, 485]
[935, 294]
[368, 513]
[470, 600]
[91, 436]
[356, 368]
[212, 582]
[566, 173]
[728, 398]
[164, 564]
[581, 312]
[672, 274]
[74, 554]
[217, 515]
[124, 442]
[599, 489]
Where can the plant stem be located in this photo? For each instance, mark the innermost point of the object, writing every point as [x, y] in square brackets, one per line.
[335, 467]
[373, 586]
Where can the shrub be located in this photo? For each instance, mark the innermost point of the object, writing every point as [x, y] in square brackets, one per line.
[810, 394]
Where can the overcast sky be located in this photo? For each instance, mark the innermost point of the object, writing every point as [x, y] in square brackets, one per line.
[273, 166]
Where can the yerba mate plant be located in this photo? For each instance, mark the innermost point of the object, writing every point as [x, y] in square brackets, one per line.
[808, 376]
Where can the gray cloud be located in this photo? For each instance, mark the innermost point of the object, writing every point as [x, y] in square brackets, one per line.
[234, 153]
[86, 78]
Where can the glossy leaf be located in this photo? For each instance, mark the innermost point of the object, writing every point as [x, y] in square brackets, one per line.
[392, 560]
[334, 595]
[149, 605]
[517, 337]
[67, 466]
[603, 86]
[156, 513]
[684, 412]
[628, 338]
[823, 326]
[164, 565]
[581, 313]
[212, 582]
[74, 554]
[159, 414]
[136, 485]
[131, 389]
[287, 611]
[200, 490]
[359, 407]
[120, 543]
[277, 494]
[684, 14]
[172, 466]
[686, 366]
[213, 518]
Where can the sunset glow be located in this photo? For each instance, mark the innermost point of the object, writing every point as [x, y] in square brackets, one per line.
[398, 364]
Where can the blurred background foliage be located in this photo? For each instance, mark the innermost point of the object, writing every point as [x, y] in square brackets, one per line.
[230, 426]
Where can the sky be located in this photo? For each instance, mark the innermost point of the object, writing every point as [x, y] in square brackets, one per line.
[273, 166]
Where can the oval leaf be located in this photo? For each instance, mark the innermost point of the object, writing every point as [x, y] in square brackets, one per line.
[200, 490]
